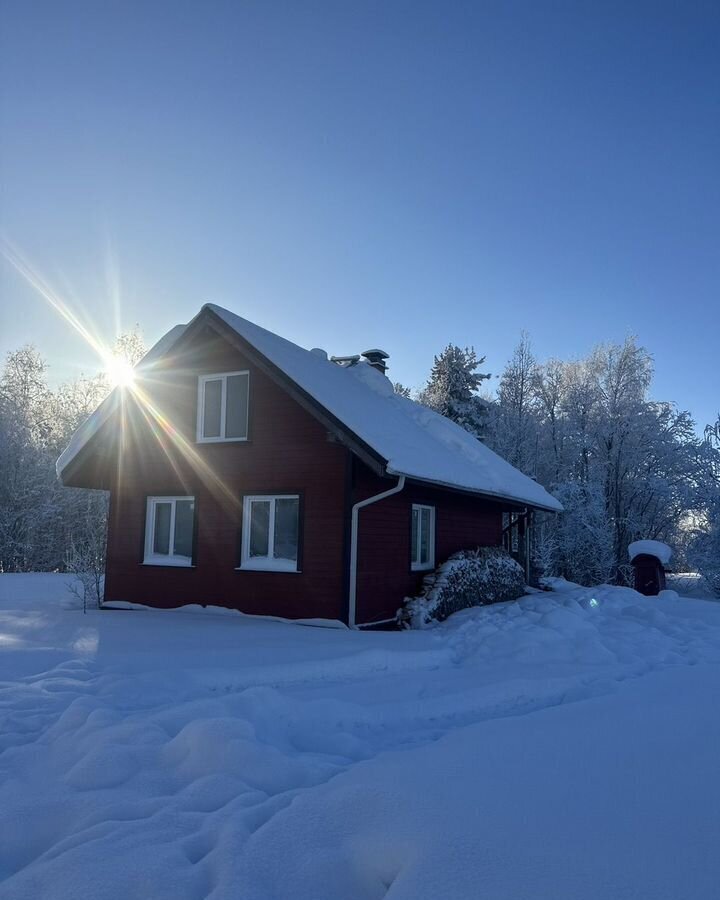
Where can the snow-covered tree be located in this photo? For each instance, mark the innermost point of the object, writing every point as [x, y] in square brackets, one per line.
[515, 422]
[452, 388]
[40, 520]
[130, 346]
[704, 546]
[627, 465]
[582, 535]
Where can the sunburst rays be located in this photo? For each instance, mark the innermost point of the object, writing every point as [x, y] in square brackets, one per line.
[132, 386]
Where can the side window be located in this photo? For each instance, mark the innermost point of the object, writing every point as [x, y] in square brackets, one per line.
[223, 407]
[270, 534]
[422, 541]
[169, 524]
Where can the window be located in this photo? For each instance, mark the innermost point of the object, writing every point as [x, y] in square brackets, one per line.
[169, 527]
[270, 533]
[422, 546]
[223, 407]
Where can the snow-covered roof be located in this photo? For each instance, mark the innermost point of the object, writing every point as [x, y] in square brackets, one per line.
[412, 440]
[652, 548]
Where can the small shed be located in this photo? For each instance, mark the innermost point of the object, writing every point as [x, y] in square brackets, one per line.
[649, 559]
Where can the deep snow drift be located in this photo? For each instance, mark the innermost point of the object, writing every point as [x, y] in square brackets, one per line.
[564, 746]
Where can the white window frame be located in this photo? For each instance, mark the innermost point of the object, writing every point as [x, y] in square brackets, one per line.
[160, 559]
[418, 566]
[222, 377]
[266, 563]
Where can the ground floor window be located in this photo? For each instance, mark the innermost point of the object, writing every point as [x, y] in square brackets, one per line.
[270, 532]
[422, 542]
[169, 526]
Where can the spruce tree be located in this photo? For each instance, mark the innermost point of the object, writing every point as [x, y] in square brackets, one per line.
[452, 388]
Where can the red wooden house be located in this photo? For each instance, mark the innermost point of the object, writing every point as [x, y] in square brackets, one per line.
[247, 472]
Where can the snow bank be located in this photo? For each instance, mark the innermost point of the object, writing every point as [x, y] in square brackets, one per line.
[653, 548]
[553, 583]
[537, 748]
[210, 610]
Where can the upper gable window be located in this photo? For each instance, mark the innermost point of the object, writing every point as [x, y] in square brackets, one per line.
[223, 407]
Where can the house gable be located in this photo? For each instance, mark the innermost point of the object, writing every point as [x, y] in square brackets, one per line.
[288, 452]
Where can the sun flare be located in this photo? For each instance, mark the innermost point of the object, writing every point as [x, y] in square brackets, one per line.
[120, 372]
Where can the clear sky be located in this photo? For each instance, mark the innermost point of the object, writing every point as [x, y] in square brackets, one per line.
[353, 174]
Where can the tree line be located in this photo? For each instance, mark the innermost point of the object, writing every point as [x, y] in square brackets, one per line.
[624, 465]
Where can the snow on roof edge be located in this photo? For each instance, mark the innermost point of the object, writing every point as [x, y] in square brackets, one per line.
[491, 494]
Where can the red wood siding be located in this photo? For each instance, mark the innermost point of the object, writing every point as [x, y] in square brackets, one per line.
[384, 575]
[287, 452]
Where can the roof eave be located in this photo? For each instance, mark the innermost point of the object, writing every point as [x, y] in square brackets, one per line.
[491, 495]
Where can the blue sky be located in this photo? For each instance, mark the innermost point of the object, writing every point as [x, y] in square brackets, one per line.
[400, 174]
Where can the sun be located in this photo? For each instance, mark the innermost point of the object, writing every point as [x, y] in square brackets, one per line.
[120, 372]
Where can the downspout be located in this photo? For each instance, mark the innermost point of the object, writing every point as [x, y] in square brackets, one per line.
[352, 598]
[528, 526]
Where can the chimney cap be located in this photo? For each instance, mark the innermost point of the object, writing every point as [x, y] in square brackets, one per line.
[376, 359]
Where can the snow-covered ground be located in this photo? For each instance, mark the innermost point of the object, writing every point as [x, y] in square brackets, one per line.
[564, 747]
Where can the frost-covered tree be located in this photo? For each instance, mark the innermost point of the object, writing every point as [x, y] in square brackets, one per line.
[626, 466]
[588, 429]
[704, 546]
[40, 520]
[453, 385]
[552, 432]
[130, 346]
[26, 486]
[582, 536]
[515, 421]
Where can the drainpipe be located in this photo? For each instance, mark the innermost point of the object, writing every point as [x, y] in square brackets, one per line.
[352, 600]
[528, 519]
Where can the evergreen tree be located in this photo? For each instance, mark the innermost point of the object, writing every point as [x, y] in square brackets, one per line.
[452, 389]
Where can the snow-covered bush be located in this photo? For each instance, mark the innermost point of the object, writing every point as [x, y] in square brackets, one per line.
[468, 578]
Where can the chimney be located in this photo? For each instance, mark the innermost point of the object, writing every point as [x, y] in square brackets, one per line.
[376, 358]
